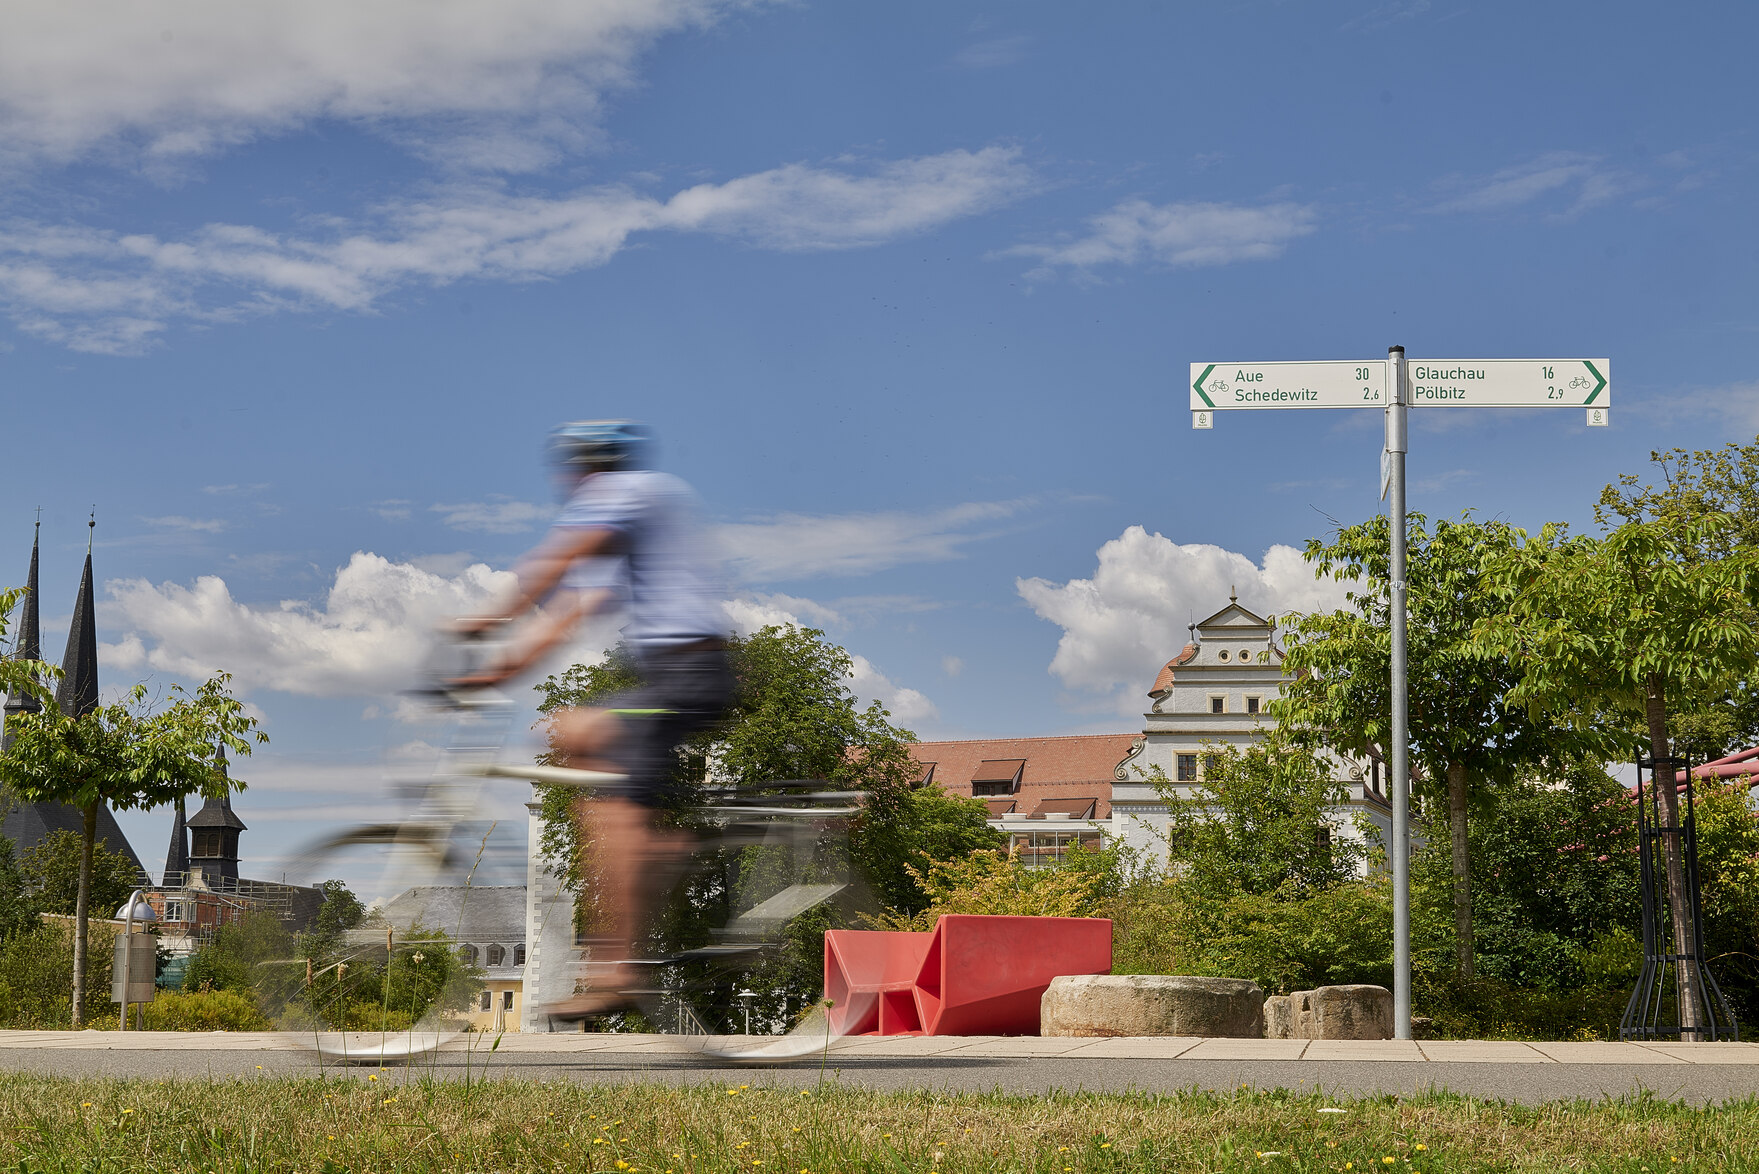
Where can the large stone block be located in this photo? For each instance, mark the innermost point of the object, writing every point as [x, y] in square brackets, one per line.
[1151, 1004]
[1279, 1017]
[1356, 1011]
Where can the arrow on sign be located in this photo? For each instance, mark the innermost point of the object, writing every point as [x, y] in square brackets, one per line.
[1600, 387]
[1197, 385]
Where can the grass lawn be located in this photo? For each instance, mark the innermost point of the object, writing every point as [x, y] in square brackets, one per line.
[385, 1122]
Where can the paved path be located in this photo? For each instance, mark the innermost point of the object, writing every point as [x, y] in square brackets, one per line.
[1530, 1073]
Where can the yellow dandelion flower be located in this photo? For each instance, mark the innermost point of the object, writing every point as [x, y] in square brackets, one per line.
[757, 1161]
[732, 1092]
[1388, 1159]
[806, 1092]
[797, 1129]
[259, 1067]
[622, 1165]
[744, 1086]
[332, 1137]
[128, 1110]
[1420, 1146]
[374, 1076]
[1105, 1145]
[85, 1104]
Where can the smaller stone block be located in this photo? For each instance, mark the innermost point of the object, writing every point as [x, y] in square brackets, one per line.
[1355, 1011]
[1279, 1017]
[1151, 1004]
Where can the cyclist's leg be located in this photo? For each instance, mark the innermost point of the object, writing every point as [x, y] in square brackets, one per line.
[687, 691]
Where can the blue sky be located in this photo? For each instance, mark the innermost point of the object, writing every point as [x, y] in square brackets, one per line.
[291, 294]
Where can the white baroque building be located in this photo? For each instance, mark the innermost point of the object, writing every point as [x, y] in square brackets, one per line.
[1216, 693]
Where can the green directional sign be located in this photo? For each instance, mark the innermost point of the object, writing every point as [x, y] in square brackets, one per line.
[1509, 383]
[1227, 386]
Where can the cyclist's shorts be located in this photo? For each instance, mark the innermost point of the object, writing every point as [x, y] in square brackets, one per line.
[686, 690]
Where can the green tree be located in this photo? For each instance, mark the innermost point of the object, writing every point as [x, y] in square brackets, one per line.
[1607, 632]
[1692, 485]
[130, 756]
[18, 913]
[794, 716]
[1463, 737]
[340, 912]
[1262, 822]
[51, 871]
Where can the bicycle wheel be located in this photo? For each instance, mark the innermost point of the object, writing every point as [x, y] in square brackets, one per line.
[739, 949]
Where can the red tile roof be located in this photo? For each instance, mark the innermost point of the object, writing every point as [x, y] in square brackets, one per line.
[1076, 767]
[1163, 684]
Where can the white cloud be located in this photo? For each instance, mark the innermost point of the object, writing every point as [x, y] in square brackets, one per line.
[492, 517]
[802, 546]
[109, 292]
[907, 706]
[952, 665]
[1582, 179]
[498, 84]
[366, 638]
[1121, 625]
[1181, 235]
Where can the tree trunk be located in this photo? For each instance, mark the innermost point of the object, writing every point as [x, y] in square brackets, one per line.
[1668, 797]
[82, 911]
[1462, 870]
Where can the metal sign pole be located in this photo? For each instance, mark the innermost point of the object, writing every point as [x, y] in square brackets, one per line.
[1398, 397]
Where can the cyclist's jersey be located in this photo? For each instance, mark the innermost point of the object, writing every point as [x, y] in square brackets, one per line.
[663, 573]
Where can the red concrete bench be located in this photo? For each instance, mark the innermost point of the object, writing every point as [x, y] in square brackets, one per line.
[973, 975]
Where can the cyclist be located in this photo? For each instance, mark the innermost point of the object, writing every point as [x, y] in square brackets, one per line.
[626, 538]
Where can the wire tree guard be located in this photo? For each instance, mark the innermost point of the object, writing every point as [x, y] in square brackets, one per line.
[1676, 996]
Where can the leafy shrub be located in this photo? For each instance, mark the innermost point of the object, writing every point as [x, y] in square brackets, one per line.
[207, 1010]
[999, 884]
[36, 975]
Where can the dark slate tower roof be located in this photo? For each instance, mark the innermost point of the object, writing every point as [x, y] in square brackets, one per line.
[29, 824]
[217, 813]
[78, 694]
[177, 857]
[29, 644]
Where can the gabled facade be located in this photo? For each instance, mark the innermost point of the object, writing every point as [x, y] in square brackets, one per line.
[1217, 692]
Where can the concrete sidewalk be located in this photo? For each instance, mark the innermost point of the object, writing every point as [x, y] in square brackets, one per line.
[1529, 1073]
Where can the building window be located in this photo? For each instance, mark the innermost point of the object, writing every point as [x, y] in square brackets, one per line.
[1222, 655]
[992, 788]
[1218, 705]
[467, 955]
[497, 955]
[174, 911]
[1187, 768]
[1210, 762]
[1252, 705]
[1245, 656]
[1045, 849]
[487, 1001]
[519, 954]
[506, 1000]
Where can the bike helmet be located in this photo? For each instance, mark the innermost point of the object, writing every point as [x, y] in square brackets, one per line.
[596, 446]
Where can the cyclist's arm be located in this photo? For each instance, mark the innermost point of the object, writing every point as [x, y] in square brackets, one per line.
[541, 570]
[554, 629]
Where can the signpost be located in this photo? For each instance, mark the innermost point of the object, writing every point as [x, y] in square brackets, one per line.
[1393, 385]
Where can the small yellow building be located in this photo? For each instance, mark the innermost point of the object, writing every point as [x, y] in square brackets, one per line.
[488, 923]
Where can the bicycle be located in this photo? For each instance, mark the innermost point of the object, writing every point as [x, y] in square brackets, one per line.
[769, 869]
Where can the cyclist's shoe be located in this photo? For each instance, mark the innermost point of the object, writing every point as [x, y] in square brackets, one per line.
[590, 1005]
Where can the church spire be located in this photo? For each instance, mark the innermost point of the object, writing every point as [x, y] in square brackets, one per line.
[78, 694]
[29, 644]
[177, 858]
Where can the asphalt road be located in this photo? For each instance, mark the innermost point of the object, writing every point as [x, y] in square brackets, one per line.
[1530, 1083]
